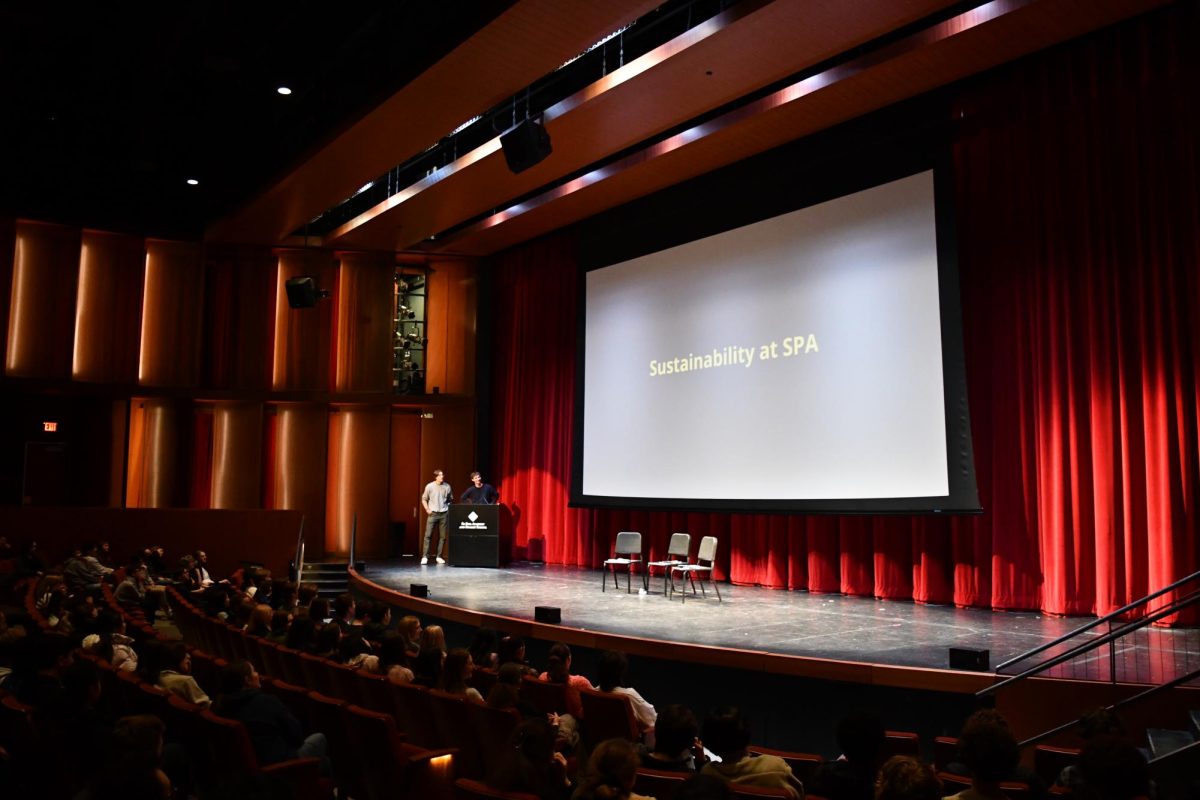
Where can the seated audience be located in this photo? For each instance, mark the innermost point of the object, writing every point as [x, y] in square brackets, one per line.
[302, 635]
[133, 767]
[354, 652]
[344, 612]
[176, 675]
[319, 610]
[137, 592]
[30, 563]
[393, 659]
[728, 736]
[1111, 768]
[506, 693]
[1095, 723]
[329, 637]
[281, 619]
[851, 776]
[989, 751]
[533, 766]
[610, 773]
[456, 672]
[677, 746]
[410, 629]
[376, 619]
[201, 577]
[610, 674]
[260, 621]
[84, 572]
[483, 648]
[512, 651]
[433, 636]
[274, 732]
[110, 642]
[558, 670]
[906, 778]
[427, 668]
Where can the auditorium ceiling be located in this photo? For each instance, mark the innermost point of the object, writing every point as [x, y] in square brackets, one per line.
[191, 93]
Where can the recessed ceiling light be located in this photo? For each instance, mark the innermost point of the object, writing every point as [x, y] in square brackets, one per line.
[193, 182]
[284, 90]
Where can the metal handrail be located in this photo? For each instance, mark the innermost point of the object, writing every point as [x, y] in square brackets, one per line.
[1107, 638]
[1153, 690]
[1100, 621]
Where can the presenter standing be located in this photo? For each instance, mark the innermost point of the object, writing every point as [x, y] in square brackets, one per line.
[480, 493]
[436, 501]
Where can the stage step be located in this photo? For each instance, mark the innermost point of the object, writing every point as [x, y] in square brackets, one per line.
[1164, 741]
[330, 577]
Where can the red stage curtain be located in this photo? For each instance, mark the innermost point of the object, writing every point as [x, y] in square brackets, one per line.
[1079, 234]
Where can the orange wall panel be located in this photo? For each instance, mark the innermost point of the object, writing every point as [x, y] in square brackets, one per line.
[154, 447]
[108, 310]
[237, 455]
[41, 307]
[450, 316]
[358, 480]
[363, 341]
[172, 313]
[302, 335]
[301, 440]
[239, 319]
[406, 478]
[448, 444]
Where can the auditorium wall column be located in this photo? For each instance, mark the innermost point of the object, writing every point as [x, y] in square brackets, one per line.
[301, 438]
[302, 335]
[42, 304]
[172, 307]
[237, 455]
[362, 352]
[108, 313]
[357, 482]
[451, 297]
[154, 448]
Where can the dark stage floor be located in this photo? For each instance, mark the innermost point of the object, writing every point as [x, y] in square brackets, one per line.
[783, 622]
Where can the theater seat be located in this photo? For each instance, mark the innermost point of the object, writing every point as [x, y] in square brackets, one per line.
[609, 716]
[393, 768]
[658, 783]
[467, 789]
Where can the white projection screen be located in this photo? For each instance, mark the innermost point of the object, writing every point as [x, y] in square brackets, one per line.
[792, 364]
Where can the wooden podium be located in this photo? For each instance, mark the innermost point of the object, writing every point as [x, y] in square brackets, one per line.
[474, 535]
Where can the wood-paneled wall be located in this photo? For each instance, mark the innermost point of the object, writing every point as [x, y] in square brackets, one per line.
[244, 402]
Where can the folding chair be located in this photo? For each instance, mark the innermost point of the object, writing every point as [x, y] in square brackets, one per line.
[626, 553]
[706, 559]
[677, 555]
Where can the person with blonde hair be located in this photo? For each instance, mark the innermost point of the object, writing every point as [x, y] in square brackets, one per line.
[906, 778]
[434, 637]
[611, 773]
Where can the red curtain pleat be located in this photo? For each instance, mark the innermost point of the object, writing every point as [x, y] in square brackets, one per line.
[1076, 179]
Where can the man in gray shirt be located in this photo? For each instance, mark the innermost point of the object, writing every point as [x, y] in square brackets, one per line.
[436, 501]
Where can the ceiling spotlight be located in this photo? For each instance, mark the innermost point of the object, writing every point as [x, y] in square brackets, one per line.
[193, 182]
[283, 90]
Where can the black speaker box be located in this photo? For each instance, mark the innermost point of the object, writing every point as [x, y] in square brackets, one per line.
[968, 658]
[525, 145]
[551, 615]
[301, 292]
[418, 589]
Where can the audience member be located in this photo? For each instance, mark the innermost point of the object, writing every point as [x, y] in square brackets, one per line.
[319, 610]
[1097, 722]
[456, 672]
[260, 621]
[1111, 768]
[483, 648]
[506, 693]
[533, 765]
[376, 619]
[851, 776]
[344, 612]
[354, 652]
[610, 773]
[728, 736]
[677, 746]
[610, 675]
[558, 670]
[201, 578]
[302, 635]
[427, 669]
[328, 639]
[274, 732]
[110, 642]
[176, 675]
[989, 751]
[280, 621]
[433, 636]
[410, 629]
[30, 563]
[393, 659]
[136, 592]
[906, 778]
[84, 572]
[512, 651]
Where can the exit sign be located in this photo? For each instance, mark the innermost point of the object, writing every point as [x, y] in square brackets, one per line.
[50, 427]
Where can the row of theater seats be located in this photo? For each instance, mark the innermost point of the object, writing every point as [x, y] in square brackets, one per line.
[476, 734]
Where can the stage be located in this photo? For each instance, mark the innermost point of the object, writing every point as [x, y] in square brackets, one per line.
[787, 623]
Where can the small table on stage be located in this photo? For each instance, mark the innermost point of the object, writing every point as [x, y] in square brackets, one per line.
[474, 535]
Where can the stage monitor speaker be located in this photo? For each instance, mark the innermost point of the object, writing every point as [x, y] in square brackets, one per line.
[551, 615]
[418, 589]
[525, 145]
[969, 658]
[302, 292]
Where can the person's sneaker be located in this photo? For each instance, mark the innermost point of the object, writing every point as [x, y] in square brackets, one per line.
[441, 560]
[424, 560]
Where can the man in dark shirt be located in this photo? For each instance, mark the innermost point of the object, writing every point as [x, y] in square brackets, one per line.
[480, 493]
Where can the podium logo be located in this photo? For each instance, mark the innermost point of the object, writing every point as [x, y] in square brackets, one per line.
[472, 516]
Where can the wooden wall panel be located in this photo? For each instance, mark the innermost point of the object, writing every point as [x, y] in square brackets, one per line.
[172, 315]
[448, 444]
[450, 315]
[108, 312]
[154, 453]
[299, 480]
[363, 340]
[117, 454]
[405, 476]
[239, 317]
[237, 455]
[8, 247]
[301, 360]
[358, 480]
[41, 308]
